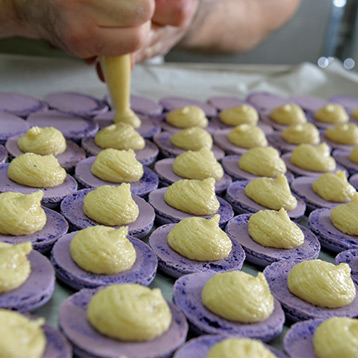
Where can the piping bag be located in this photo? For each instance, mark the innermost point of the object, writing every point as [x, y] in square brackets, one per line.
[117, 73]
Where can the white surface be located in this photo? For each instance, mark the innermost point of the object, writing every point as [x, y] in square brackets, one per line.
[39, 76]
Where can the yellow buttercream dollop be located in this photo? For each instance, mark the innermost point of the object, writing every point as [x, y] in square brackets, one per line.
[334, 187]
[120, 136]
[321, 283]
[111, 205]
[288, 113]
[353, 156]
[103, 250]
[337, 337]
[301, 133]
[43, 141]
[199, 164]
[37, 171]
[271, 193]
[117, 166]
[129, 117]
[247, 136]
[15, 268]
[263, 162]
[345, 217]
[188, 116]
[20, 336]
[21, 214]
[345, 133]
[316, 159]
[331, 113]
[129, 312]
[238, 296]
[271, 228]
[243, 114]
[193, 138]
[200, 239]
[239, 348]
[193, 196]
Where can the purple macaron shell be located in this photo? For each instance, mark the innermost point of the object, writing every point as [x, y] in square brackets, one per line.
[165, 214]
[142, 272]
[242, 204]
[19, 104]
[57, 345]
[147, 183]
[212, 127]
[331, 238]
[11, 125]
[146, 156]
[141, 105]
[43, 240]
[349, 257]
[88, 342]
[265, 118]
[176, 265]
[276, 140]
[265, 101]
[230, 164]
[349, 102]
[68, 159]
[308, 103]
[335, 145]
[75, 103]
[302, 187]
[225, 102]
[219, 125]
[199, 347]
[72, 127]
[342, 158]
[147, 128]
[297, 171]
[163, 141]
[52, 196]
[72, 210]
[298, 341]
[187, 296]
[3, 154]
[222, 141]
[237, 230]
[295, 308]
[164, 169]
[171, 103]
[36, 290]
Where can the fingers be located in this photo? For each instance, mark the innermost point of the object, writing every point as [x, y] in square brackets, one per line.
[120, 13]
[106, 41]
[174, 12]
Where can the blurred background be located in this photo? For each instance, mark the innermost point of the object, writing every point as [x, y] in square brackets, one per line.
[320, 31]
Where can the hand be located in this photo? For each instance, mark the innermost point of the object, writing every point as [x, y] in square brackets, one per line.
[170, 22]
[87, 28]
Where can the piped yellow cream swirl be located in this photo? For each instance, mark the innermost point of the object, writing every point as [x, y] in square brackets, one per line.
[21, 214]
[129, 312]
[37, 171]
[200, 239]
[238, 296]
[20, 336]
[193, 196]
[188, 116]
[43, 141]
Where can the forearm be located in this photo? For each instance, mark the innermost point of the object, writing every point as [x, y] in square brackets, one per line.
[228, 26]
[11, 21]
